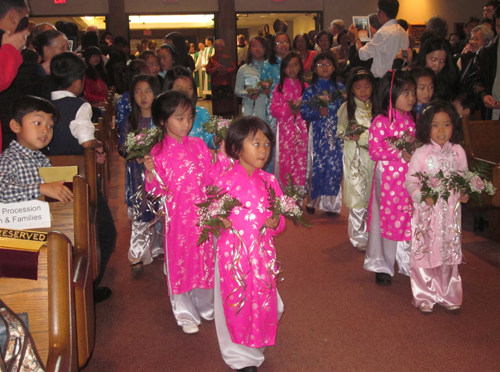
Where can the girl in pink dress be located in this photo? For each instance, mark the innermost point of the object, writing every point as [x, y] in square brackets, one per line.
[247, 304]
[291, 134]
[389, 218]
[436, 248]
[180, 167]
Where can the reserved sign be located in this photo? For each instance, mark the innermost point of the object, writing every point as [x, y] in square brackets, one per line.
[31, 214]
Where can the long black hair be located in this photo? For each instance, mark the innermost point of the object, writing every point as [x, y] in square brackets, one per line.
[284, 64]
[446, 82]
[98, 71]
[392, 84]
[135, 113]
[424, 123]
[357, 74]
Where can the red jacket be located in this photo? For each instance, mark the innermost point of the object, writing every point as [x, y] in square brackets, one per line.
[10, 60]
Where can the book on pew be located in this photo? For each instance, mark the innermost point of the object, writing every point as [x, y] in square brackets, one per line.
[56, 174]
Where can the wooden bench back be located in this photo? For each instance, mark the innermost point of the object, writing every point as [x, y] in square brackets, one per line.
[83, 270]
[482, 139]
[49, 304]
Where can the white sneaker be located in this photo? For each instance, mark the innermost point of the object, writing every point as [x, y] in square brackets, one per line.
[190, 328]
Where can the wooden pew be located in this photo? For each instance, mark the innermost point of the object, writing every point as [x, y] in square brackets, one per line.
[87, 168]
[49, 302]
[482, 145]
[82, 222]
[83, 271]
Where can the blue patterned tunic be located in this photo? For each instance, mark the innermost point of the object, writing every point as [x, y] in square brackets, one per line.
[270, 71]
[327, 147]
[248, 77]
[201, 118]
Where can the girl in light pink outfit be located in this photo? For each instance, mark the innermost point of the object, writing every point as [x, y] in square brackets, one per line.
[389, 218]
[291, 134]
[247, 304]
[436, 248]
[184, 168]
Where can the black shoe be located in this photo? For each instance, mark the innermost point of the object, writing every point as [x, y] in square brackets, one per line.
[383, 279]
[479, 224]
[138, 266]
[101, 294]
[310, 210]
[248, 369]
[331, 214]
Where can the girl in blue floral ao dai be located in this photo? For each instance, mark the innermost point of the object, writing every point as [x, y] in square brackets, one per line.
[145, 243]
[324, 157]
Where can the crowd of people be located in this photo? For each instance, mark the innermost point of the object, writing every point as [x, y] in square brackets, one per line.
[316, 111]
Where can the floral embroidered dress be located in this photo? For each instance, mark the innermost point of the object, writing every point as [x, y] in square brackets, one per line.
[248, 76]
[325, 148]
[201, 118]
[270, 71]
[250, 307]
[395, 219]
[291, 149]
[123, 109]
[358, 166]
[435, 241]
[185, 168]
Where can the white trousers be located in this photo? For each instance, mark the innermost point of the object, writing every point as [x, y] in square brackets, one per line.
[356, 226]
[190, 307]
[235, 355]
[145, 241]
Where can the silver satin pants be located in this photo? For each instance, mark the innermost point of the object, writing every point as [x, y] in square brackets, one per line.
[356, 227]
[190, 307]
[382, 253]
[236, 356]
[328, 203]
[145, 241]
[438, 285]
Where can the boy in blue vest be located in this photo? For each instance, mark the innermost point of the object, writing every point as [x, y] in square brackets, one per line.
[74, 130]
[33, 123]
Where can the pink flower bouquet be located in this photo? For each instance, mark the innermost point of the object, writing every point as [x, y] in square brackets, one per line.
[210, 213]
[406, 141]
[139, 143]
[218, 126]
[288, 204]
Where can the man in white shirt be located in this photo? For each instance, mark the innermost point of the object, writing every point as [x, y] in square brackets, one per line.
[388, 41]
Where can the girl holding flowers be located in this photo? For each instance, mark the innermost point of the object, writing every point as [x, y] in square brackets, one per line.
[247, 304]
[144, 240]
[320, 104]
[389, 219]
[254, 101]
[180, 169]
[436, 248]
[355, 118]
[291, 134]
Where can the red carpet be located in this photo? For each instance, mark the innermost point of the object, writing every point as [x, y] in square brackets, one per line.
[336, 318]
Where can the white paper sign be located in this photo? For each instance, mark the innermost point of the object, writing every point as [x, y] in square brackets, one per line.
[33, 214]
